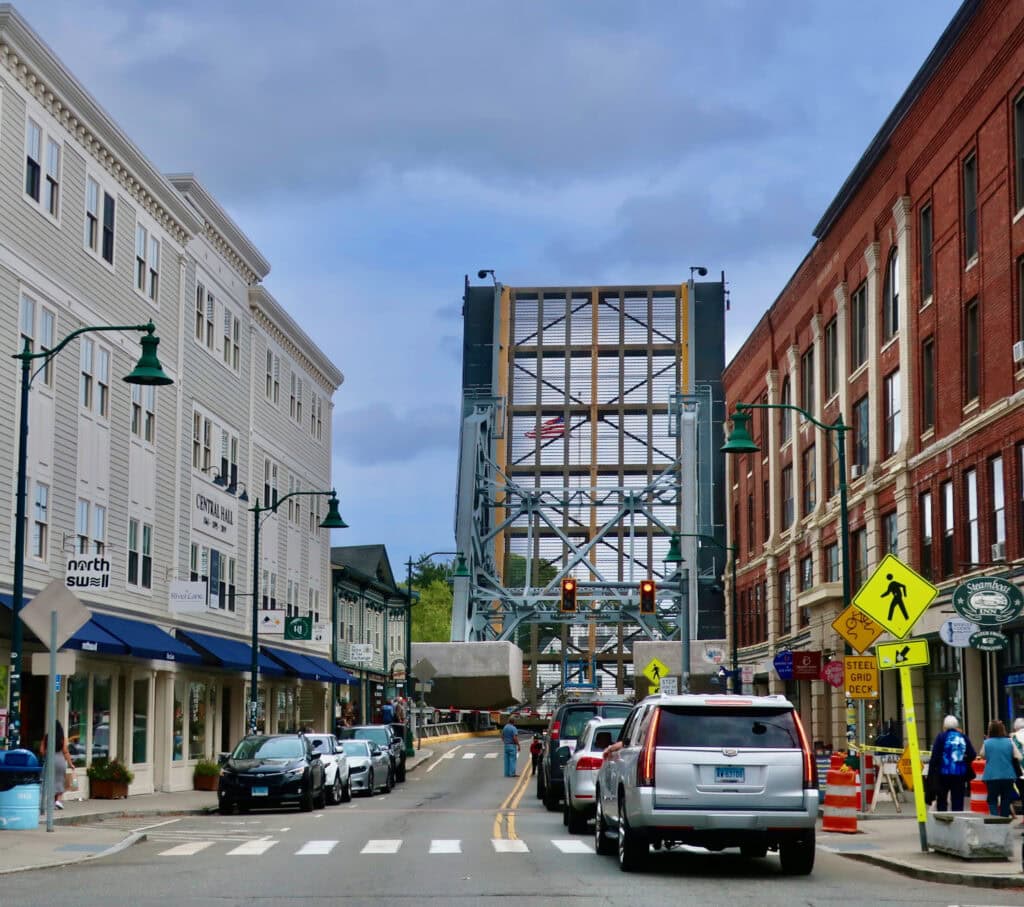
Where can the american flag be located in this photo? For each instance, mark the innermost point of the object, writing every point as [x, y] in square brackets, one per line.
[552, 428]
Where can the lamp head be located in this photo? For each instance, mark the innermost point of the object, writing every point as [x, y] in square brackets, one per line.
[333, 519]
[675, 555]
[148, 369]
[740, 441]
[461, 570]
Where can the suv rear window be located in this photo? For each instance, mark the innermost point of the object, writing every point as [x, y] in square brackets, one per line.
[728, 726]
[577, 718]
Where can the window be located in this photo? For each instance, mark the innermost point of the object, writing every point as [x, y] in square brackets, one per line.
[785, 602]
[92, 215]
[971, 493]
[38, 323]
[147, 263]
[787, 497]
[948, 525]
[972, 377]
[295, 398]
[831, 359]
[806, 573]
[832, 467]
[1020, 297]
[211, 306]
[892, 431]
[316, 415]
[200, 312]
[143, 412]
[971, 208]
[102, 381]
[859, 327]
[51, 194]
[998, 498]
[925, 516]
[861, 433]
[766, 511]
[750, 525]
[86, 380]
[785, 419]
[90, 527]
[891, 296]
[927, 267]
[928, 384]
[809, 497]
[202, 441]
[232, 331]
[229, 458]
[859, 556]
[33, 159]
[807, 381]
[890, 534]
[269, 482]
[832, 563]
[108, 228]
[39, 537]
[82, 527]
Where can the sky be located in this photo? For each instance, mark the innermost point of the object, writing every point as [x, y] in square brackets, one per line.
[377, 151]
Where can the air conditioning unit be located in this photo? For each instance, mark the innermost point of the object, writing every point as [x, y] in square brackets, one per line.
[1018, 351]
[856, 471]
[999, 551]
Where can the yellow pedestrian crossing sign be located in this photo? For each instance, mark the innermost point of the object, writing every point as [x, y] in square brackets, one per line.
[655, 670]
[909, 653]
[895, 596]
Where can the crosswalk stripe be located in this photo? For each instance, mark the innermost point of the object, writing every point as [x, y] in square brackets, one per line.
[186, 850]
[490, 755]
[445, 846]
[469, 755]
[501, 845]
[251, 848]
[571, 845]
[382, 846]
[316, 847]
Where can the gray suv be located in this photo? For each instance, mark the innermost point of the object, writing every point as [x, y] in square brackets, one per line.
[712, 771]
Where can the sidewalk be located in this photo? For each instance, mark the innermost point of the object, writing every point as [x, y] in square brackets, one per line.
[78, 833]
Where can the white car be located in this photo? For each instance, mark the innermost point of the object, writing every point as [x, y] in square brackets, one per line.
[581, 768]
[337, 780]
[369, 766]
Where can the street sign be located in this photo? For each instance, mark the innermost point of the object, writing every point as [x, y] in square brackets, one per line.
[834, 674]
[957, 632]
[989, 641]
[747, 673]
[655, 670]
[906, 769]
[298, 628]
[861, 678]
[425, 686]
[910, 653]
[71, 614]
[988, 601]
[783, 664]
[895, 596]
[670, 685]
[424, 670]
[857, 629]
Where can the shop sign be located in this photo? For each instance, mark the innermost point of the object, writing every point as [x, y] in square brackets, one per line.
[185, 597]
[783, 664]
[214, 514]
[806, 665]
[957, 632]
[361, 651]
[989, 641]
[87, 572]
[834, 674]
[271, 622]
[988, 601]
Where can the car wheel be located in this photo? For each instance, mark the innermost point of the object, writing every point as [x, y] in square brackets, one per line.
[754, 850]
[565, 810]
[346, 792]
[540, 785]
[225, 807]
[796, 853]
[551, 800]
[306, 803]
[335, 791]
[370, 790]
[321, 798]
[633, 847]
[389, 783]
[577, 821]
[401, 771]
[602, 843]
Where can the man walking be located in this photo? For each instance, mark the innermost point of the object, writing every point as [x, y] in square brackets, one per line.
[510, 737]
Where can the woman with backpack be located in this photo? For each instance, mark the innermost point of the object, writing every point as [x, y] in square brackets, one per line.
[949, 768]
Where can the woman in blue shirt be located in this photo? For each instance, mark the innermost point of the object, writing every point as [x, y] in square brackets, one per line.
[1000, 774]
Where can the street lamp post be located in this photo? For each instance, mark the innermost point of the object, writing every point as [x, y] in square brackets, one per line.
[147, 371]
[333, 520]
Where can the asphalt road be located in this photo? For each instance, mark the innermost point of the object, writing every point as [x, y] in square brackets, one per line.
[456, 832]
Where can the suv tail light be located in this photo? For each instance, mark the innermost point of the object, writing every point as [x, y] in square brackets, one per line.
[553, 733]
[589, 763]
[810, 766]
[645, 764]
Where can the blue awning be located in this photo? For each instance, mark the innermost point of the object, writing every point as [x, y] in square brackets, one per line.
[337, 673]
[229, 653]
[90, 637]
[145, 640]
[299, 665]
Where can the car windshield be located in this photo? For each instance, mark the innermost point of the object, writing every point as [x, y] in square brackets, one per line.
[356, 747]
[728, 726]
[378, 735]
[269, 748]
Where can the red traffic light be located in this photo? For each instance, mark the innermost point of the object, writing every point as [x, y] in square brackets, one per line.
[568, 602]
[647, 594]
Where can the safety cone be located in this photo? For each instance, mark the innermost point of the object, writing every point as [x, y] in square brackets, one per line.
[841, 802]
[979, 789]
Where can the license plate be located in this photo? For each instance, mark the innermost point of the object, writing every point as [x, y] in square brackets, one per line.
[261, 791]
[729, 774]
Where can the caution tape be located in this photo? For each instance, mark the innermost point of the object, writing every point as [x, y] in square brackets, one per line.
[887, 749]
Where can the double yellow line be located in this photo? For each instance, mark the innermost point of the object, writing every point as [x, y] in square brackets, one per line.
[505, 817]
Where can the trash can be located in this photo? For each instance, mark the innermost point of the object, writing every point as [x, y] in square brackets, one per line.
[20, 777]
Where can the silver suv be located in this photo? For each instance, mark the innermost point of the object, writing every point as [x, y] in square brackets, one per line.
[712, 771]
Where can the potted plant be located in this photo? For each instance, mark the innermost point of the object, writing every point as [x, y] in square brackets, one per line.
[108, 779]
[205, 775]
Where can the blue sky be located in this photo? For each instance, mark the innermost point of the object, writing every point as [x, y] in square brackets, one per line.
[376, 152]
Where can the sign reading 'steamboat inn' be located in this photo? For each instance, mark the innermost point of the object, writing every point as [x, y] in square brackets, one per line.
[84, 572]
[214, 515]
[988, 601]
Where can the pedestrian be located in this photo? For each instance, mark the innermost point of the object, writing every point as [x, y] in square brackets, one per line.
[510, 737]
[1000, 776]
[387, 713]
[61, 761]
[949, 766]
[536, 748]
[348, 717]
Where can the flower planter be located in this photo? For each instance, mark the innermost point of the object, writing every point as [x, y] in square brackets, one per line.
[204, 782]
[107, 790]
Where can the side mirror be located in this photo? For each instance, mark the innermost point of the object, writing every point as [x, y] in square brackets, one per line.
[374, 750]
[222, 758]
[316, 744]
[563, 754]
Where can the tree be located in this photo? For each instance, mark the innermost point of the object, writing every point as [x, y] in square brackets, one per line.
[426, 571]
[515, 571]
[432, 614]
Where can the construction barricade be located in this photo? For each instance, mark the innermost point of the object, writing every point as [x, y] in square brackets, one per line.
[979, 789]
[842, 799]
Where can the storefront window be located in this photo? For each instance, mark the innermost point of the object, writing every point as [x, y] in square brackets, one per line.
[942, 688]
[178, 748]
[196, 720]
[285, 711]
[78, 714]
[101, 687]
[140, 719]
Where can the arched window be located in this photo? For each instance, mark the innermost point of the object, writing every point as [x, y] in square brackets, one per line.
[891, 296]
[785, 416]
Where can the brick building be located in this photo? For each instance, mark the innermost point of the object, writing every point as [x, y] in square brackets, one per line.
[905, 318]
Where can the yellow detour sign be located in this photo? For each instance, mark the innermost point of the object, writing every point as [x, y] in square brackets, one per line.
[895, 596]
[906, 769]
[910, 653]
[655, 670]
[859, 630]
[861, 676]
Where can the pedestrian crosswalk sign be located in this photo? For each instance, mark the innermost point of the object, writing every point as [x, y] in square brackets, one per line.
[655, 670]
[895, 596]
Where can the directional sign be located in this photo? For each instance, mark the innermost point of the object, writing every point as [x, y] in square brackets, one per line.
[669, 686]
[911, 653]
[861, 676]
[895, 596]
[655, 670]
[859, 630]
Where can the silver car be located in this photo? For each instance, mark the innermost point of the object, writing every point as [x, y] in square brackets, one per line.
[369, 766]
[713, 771]
[580, 770]
[336, 772]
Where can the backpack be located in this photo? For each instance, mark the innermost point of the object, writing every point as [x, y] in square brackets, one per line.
[954, 754]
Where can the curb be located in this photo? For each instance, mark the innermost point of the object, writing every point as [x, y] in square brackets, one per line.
[134, 838]
[944, 876]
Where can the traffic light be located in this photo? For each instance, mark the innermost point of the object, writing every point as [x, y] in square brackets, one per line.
[568, 594]
[647, 590]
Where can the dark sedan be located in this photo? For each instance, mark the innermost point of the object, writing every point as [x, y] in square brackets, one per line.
[272, 770]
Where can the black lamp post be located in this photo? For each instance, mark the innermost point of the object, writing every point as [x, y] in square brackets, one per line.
[147, 371]
[333, 520]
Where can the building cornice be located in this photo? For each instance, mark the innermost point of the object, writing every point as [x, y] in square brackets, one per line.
[43, 76]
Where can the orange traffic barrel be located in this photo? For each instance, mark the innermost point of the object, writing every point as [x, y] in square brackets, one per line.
[838, 758]
[979, 789]
[869, 776]
[841, 802]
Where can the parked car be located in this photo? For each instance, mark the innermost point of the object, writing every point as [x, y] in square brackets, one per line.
[567, 721]
[384, 736]
[339, 786]
[580, 770]
[712, 771]
[369, 766]
[271, 770]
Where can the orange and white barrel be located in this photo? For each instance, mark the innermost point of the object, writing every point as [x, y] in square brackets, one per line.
[838, 758]
[869, 776]
[841, 801]
[979, 789]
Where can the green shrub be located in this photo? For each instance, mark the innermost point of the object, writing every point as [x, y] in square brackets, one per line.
[109, 770]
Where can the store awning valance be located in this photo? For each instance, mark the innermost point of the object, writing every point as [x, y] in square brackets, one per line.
[90, 637]
[228, 653]
[303, 666]
[338, 673]
[144, 640]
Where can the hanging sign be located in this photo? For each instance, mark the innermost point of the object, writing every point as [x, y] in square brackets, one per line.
[988, 601]
[989, 641]
[783, 664]
[957, 632]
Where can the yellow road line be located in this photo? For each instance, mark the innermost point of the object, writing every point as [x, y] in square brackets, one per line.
[506, 812]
